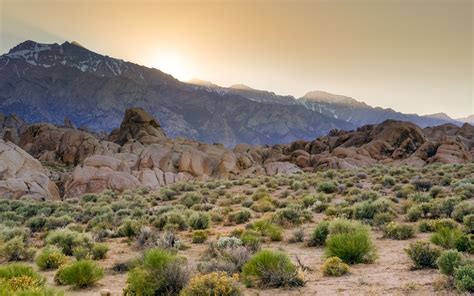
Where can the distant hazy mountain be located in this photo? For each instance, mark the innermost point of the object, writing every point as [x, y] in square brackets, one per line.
[48, 82]
[468, 119]
[359, 113]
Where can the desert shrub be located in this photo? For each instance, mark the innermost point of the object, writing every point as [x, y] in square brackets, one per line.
[297, 236]
[426, 226]
[449, 260]
[414, 213]
[81, 253]
[399, 231]
[291, 215]
[228, 242]
[16, 249]
[422, 184]
[263, 205]
[435, 191]
[67, 240]
[239, 217]
[446, 237]
[270, 269]
[36, 223]
[199, 236]
[99, 251]
[199, 220]
[352, 246]
[382, 218]
[444, 223]
[50, 258]
[327, 187]
[468, 222]
[423, 254]
[18, 271]
[268, 229]
[167, 194]
[190, 199]
[464, 278]
[80, 274]
[58, 222]
[129, 228]
[334, 266]
[159, 273]
[462, 209]
[319, 234]
[214, 283]
[171, 218]
[388, 181]
[251, 239]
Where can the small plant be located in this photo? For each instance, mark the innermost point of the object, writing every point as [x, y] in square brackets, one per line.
[328, 187]
[447, 237]
[319, 235]
[199, 220]
[159, 273]
[399, 231]
[268, 229]
[297, 236]
[16, 249]
[353, 246]
[228, 242]
[423, 254]
[239, 217]
[199, 236]
[214, 283]
[51, 258]
[99, 251]
[270, 269]
[464, 278]
[449, 260]
[334, 266]
[80, 274]
[67, 240]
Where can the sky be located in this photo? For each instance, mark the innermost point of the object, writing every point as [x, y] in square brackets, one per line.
[410, 55]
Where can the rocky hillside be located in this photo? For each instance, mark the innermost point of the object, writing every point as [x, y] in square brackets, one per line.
[140, 154]
[48, 82]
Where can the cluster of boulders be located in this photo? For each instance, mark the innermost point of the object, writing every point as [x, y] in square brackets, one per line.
[390, 142]
[139, 154]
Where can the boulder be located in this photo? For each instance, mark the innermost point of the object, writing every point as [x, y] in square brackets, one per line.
[286, 168]
[21, 174]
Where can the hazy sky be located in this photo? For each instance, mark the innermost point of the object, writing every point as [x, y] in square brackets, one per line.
[412, 56]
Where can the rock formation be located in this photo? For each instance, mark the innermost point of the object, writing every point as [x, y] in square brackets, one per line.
[21, 174]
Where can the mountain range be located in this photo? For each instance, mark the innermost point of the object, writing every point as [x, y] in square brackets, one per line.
[51, 82]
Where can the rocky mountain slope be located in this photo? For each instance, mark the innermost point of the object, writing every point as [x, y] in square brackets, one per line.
[359, 113]
[47, 82]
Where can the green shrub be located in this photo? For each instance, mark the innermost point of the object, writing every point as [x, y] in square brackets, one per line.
[67, 240]
[51, 258]
[16, 270]
[468, 222]
[297, 236]
[464, 278]
[228, 242]
[239, 217]
[268, 229]
[81, 253]
[80, 274]
[462, 209]
[171, 218]
[16, 249]
[36, 223]
[414, 213]
[327, 187]
[190, 199]
[214, 283]
[319, 234]
[159, 273]
[199, 220]
[99, 251]
[167, 194]
[446, 237]
[20, 280]
[399, 231]
[251, 239]
[199, 236]
[353, 246]
[423, 254]
[270, 269]
[291, 215]
[129, 228]
[449, 260]
[426, 226]
[334, 266]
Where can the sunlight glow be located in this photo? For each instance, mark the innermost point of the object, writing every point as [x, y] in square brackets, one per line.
[175, 65]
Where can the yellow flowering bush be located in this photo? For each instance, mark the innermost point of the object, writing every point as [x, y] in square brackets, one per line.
[212, 284]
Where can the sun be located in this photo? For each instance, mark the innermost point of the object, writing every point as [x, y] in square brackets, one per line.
[175, 65]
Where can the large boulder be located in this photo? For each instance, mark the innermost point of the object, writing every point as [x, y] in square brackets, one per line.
[138, 125]
[21, 174]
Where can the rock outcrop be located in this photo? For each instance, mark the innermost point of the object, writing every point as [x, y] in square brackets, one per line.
[21, 174]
